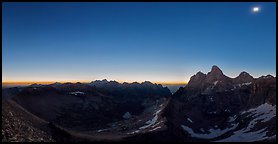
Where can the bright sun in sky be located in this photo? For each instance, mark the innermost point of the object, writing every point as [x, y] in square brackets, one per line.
[256, 9]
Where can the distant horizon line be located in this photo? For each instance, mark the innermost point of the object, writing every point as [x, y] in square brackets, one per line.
[86, 81]
[76, 81]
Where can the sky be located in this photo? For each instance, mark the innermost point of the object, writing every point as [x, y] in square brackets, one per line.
[157, 42]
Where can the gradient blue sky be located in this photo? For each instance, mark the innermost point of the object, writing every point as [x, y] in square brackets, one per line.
[159, 42]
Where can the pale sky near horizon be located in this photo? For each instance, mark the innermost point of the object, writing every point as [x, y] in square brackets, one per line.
[157, 42]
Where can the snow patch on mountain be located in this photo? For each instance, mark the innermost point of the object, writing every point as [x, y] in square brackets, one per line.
[157, 124]
[152, 121]
[213, 133]
[243, 135]
[137, 131]
[101, 130]
[155, 129]
[248, 83]
[233, 118]
[262, 113]
[76, 93]
[189, 120]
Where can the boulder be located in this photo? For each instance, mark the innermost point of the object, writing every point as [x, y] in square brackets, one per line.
[127, 115]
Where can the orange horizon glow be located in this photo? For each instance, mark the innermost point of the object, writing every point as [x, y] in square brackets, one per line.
[75, 81]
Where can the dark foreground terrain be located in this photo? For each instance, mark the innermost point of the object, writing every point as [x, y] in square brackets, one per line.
[211, 107]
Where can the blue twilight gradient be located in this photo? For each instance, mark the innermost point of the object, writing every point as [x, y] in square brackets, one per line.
[136, 41]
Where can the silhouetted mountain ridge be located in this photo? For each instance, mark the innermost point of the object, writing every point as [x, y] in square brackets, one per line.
[211, 107]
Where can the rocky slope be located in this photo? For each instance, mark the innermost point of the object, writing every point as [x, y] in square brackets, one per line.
[18, 125]
[211, 107]
[83, 107]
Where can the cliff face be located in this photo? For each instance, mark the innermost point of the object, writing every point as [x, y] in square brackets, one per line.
[204, 106]
[211, 107]
[244, 89]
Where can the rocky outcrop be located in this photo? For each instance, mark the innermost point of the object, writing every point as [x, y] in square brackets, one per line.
[243, 77]
[216, 97]
[211, 107]
[263, 90]
[83, 106]
[127, 115]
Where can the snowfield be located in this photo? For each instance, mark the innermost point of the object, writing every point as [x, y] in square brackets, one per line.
[264, 112]
[260, 114]
[213, 133]
[152, 121]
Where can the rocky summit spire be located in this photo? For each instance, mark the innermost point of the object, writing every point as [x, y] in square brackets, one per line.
[197, 79]
[216, 70]
[243, 77]
[215, 74]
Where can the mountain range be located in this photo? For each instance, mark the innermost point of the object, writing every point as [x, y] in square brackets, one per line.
[211, 107]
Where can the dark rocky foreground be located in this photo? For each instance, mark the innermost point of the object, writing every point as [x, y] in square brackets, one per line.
[20, 125]
[212, 107]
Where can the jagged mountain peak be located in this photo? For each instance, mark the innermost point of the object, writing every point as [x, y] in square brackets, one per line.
[268, 76]
[244, 77]
[200, 73]
[243, 73]
[196, 79]
[104, 80]
[147, 83]
[56, 83]
[215, 74]
[215, 70]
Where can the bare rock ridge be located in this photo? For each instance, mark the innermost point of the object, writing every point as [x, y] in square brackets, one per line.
[219, 99]
[243, 77]
[196, 79]
[215, 71]
[92, 110]
[211, 107]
